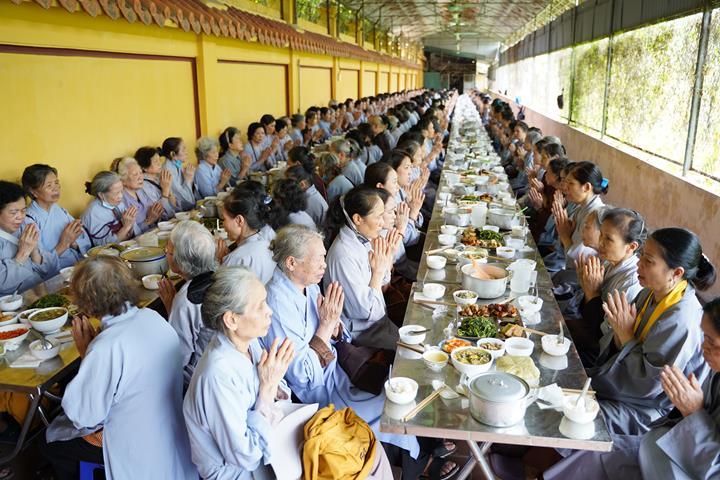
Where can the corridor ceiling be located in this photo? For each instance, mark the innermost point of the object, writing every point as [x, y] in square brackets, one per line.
[475, 27]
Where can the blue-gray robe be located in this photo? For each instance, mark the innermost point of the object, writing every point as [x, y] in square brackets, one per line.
[130, 385]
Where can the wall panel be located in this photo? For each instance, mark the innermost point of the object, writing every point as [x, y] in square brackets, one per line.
[240, 104]
[348, 85]
[79, 112]
[368, 85]
[315, 85]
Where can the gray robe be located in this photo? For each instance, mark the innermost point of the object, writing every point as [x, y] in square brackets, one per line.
[675, 448]
[183, 191]
[627, 380]
[22, 276]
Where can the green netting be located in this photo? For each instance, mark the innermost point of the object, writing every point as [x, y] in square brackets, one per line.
[651, 83]
[706, 157]
[589, 84]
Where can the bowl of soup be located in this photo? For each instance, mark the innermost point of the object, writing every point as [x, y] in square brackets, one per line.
[48, 320]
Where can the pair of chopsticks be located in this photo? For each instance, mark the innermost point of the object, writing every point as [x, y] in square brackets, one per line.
[577, 390]
[414, 348]
[425, 402]
[435, 302]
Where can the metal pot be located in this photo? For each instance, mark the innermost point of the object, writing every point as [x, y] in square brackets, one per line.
[146, 261]
[207, 207]
[484, 288]
[505, 219]
[498, 399]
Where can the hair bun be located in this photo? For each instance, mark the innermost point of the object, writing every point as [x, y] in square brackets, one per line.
[706, 274]
[88, 188]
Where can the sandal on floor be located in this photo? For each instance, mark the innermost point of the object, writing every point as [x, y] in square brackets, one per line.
[6, 473]
[436, 467]
[443, 452]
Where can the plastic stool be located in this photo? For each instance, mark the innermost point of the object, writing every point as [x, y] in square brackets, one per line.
[88, 471]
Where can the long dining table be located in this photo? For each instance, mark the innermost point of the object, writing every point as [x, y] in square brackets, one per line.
[451, 418]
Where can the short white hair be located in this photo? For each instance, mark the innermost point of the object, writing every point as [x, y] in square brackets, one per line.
[292, 241]
[204, 145]
[123, 166]
[229, 292]
[194, 248]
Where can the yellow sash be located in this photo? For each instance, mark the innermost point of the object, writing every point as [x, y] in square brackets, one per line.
[668, 301]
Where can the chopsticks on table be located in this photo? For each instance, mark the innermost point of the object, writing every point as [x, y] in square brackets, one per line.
[577, 390]
[414, 348]
[424, 403]
[532, 330]
[437, 250]
[435, 302]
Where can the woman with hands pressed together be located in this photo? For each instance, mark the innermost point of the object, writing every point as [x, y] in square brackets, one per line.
[158, 181]
[59, 231]
[230, 405]
[659, 327]
[107, 219]
[210, 178]
[183, 176]
[149, 211]
[684, 443]
[622, 234]
[124, 406]
[22, 263]
[360, 260]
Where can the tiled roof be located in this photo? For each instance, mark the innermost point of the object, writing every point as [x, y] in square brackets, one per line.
[196, 16]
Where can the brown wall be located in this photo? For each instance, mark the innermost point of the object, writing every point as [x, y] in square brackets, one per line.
[664, 199]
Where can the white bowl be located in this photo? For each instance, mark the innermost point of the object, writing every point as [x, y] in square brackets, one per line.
[165, 226]
[406, 337]
[530, 303]
[509, 202]
[44, 354]
[164, 234]
[48, 326]
[449, 229]
[436, 262]
[23, 316]
[14, 343]
[10, 303]
[435, 359]
[496, 341]
[465, 297]
[467, 369]
[12, 318]
[582, 415]
[182, 216]
[519, 346]
[505, 252]
[551, 347]
[447, 240]
[516, 243]
[405, 390]
[66, 273]
[151, 282]
[492, 228]
[433, 290]
[444, 196]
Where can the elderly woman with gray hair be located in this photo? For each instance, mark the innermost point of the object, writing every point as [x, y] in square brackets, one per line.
[124, 406]
[210, 178]
[134, 194]
[230, 405]
[107, 219]
[311, 321]
[191, 253]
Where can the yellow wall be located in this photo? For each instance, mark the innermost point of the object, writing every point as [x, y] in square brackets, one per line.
[79, 91]
[383, 83]
[368, 86]
[315, 83]
[240, 103]
[393, 82]
[348, 85]
[401, 82]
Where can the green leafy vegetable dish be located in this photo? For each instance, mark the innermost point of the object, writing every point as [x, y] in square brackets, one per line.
[477, 326]
[51, 300]
[489, 235]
